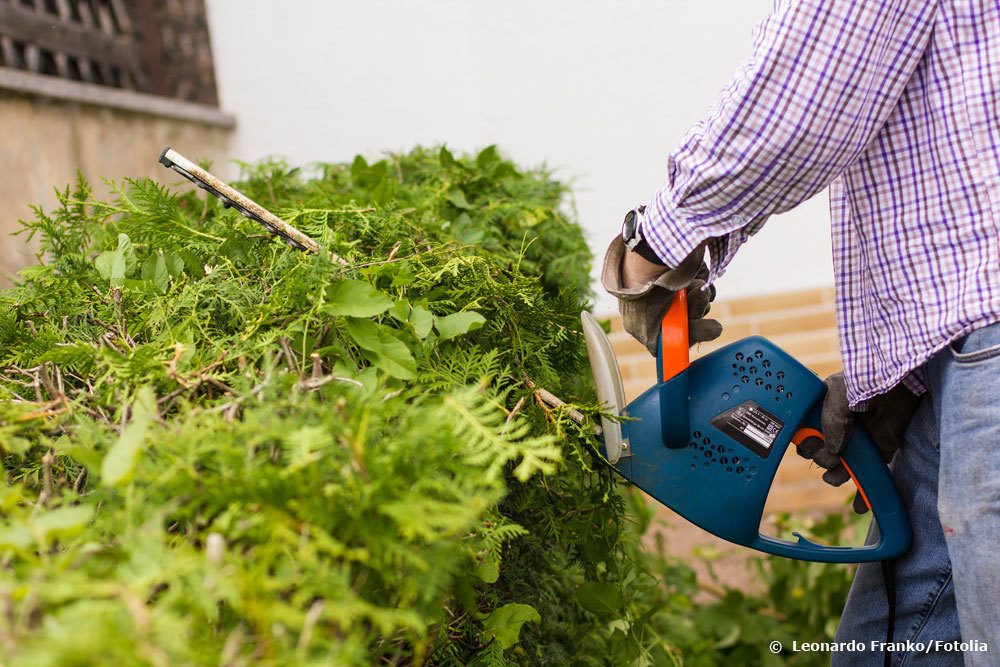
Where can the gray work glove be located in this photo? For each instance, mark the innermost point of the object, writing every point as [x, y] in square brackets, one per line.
[643, 307]
[885, 419]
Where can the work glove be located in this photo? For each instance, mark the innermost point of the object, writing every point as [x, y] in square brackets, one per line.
[642, 307]
[885, 419]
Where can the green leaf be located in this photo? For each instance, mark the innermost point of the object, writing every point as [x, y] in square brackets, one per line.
[458, 200]
[155, 270]
[175, 265]
[487, 158]
[120, 461]
[730, 638]
[600, 597]
[421, 320]
[62, 522]
[504, 624]
[464, 230]
[114, 264]
[392, 354]
[446, 158]
[356, 298]
[488, 571]
[457, 324]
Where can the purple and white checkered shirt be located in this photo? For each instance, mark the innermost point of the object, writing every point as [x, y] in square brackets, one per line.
[894, 104]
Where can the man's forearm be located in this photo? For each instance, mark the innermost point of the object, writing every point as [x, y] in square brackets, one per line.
[824, 77]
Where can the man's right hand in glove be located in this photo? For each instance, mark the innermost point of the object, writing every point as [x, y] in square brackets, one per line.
[645, 287]
[886, 418]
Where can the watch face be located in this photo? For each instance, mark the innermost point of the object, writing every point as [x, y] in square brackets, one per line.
[628, 229]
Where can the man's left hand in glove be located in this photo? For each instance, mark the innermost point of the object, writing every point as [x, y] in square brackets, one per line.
[645, 287]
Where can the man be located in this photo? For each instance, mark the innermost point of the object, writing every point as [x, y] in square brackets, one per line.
[895, 105]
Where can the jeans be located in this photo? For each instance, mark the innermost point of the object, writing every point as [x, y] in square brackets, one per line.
[948, 474]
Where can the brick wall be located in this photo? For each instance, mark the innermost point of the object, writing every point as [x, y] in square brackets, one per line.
[804, 324]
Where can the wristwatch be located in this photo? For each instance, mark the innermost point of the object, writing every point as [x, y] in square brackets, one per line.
[632, 235]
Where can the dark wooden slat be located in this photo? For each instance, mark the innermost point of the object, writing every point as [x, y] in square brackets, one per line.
[86, 69]
[40, 32]
[32, 58]
[122, 18]
[61, 58]
[52, 87]
[152, 47]
[9, 52]
[83, 8]
[104, 15]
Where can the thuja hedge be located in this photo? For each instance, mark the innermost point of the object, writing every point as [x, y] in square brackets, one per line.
[220, 450]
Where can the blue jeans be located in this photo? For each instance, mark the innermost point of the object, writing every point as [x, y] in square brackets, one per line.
[948, 584]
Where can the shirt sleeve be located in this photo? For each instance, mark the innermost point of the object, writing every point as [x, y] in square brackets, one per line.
[824, 78]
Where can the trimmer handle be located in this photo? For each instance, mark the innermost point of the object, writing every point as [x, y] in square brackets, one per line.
[672, 360]
[672, 356]
[863, 461]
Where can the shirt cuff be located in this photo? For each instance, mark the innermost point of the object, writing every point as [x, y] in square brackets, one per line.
[673, 237]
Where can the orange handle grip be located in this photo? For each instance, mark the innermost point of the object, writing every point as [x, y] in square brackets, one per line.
[804, 433]
[674, 357]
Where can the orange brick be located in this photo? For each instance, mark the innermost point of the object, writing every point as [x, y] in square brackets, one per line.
[803, 497]
[624, 345]
[806, 321]
[773, 302]
[826, 368]
[820, 342]
[634, 388]
[731, 330]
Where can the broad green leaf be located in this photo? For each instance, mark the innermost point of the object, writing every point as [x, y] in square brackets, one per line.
[504, 624]
[487, 158]
[457, 324]
[62, 522]
[155, 270]
[175, 265]
[119, 462]
[392, 354]
[12, 444]
[730, 639]
[421, 320]
[458, 200]
[600, 597]
[446, 158]
[15, 536]
[400, 311]
[356, 298]
[488, 571]
[464, 230]
[113, 265]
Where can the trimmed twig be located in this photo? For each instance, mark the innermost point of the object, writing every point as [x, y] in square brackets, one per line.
[312, 617]
[316, 383]
[546, 397]
[81, 479]
[286, 348]
[512, 414]
[47, 461]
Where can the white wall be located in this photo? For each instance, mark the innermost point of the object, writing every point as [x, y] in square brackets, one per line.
[600, 90]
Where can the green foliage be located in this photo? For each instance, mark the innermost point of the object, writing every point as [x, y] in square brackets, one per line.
[220, 450]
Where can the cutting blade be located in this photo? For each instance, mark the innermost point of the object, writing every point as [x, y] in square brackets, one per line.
[608, 381]
[233, 198]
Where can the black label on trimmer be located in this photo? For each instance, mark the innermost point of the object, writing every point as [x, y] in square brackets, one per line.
[750, 425]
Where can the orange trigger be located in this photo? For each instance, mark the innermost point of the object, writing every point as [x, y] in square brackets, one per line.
[803, 433]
